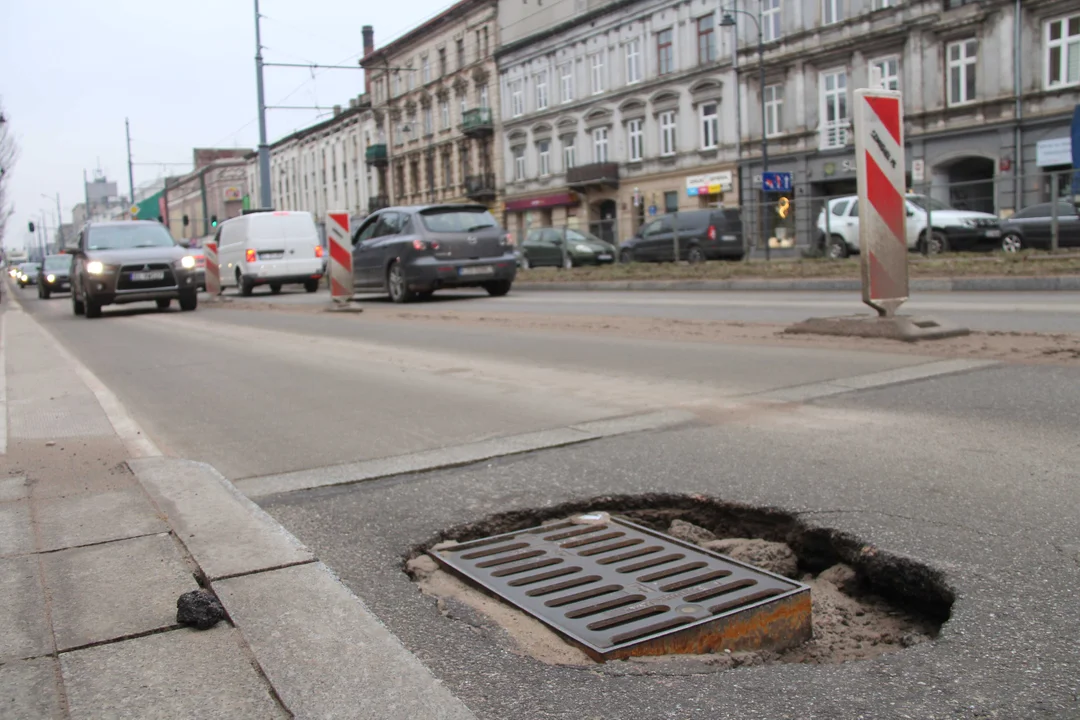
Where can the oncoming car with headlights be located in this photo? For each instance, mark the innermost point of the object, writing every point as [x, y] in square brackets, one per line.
[126, 262]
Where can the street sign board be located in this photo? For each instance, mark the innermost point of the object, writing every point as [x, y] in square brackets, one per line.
[879, 150]
[776, 181]
[918, 171]
[134, 210]
[1076, 154]
[652, 209]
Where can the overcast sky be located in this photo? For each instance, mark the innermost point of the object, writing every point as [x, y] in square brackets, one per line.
[184, 73]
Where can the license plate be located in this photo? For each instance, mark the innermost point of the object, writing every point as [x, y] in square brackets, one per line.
[993, 233]
[145, 276]
[476, 270]
[271, 256]
[603, 257]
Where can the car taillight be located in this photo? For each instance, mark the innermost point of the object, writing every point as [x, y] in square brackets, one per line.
[422, 245]
[712, 232]
[509, 239]
[250, 255]
[318, 251]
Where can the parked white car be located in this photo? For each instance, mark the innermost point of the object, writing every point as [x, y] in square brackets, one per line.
[270, 248]
[953, 229]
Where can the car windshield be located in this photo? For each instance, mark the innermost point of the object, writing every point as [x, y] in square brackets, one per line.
[29, 267]
[575, 236]
[452, 220]
[58, 262]
[921, 201]
[128, 236]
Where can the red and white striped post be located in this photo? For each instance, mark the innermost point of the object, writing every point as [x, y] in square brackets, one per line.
[213, 268]
[341, 270]
[879, 153]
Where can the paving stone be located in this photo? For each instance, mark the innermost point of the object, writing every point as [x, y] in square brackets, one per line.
[15, 535]
[28, 690]
[24, 631]
[96, 517]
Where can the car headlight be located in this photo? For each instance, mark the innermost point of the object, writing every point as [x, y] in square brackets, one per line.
[95, 267]
[187, 262]
[969, 222]
[583, 249]
[50, 278]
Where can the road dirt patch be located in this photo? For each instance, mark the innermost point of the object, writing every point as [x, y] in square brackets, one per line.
[866, 602]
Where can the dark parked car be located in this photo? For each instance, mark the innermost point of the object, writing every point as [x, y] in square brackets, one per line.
[54, 276]
[703, 235]
[1032, 227]
[134, 261]
[564, 247]
[411, 252]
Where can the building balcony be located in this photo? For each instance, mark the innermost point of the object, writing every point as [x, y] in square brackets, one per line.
[834, 135]
[477, 122]
[376, 155]
[378, 202]
[594, 175]
[480, 187]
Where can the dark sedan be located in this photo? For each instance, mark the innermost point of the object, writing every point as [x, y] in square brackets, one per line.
[410, 252]
[1032, 227]
[54, 276]
[564, 247]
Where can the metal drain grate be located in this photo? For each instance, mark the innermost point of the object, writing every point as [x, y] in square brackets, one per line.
[617, 589]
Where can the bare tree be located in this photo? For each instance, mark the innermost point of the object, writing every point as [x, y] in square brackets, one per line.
[9, 153]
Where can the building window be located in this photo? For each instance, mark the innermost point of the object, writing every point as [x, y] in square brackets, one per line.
[890, 72]
[600, 145]
[636, 134]
[832, 12]
[414, 173]
[961, 58]
[429, 126]
[596, 64]
[671, 201]
[709, 126]
[517, 98]
[770, 20]
[483, 97]
[484, 38]
[569, 157]
[445, 110]
[834, 111]
[541, 90]
[633, 61]
[448, 170]
[442, 61]
[425, 68]
[774, 105]
[665, 54]
[706, 40]
[667, 132]
[409, 78]
[566, 82]
[543, 149]
[881, 4]
[397, 84]
[1063, 52]
[464, 107]
[519, 162]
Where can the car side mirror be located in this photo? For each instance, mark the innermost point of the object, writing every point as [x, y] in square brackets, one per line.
[184, 243]
[910, 212]
[557, 241]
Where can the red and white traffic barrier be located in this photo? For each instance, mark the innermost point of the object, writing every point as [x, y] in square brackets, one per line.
[213, 268]
[879, 151]
[341, 270]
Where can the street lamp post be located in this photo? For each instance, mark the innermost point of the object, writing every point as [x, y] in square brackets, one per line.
[728, 20]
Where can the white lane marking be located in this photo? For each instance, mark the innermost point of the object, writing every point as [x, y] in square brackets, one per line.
[137, 443]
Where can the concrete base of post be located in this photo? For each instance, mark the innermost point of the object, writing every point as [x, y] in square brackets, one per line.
[210, 299]
[898, 327]
[344, 305]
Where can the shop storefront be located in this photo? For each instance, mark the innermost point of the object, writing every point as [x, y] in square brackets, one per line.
[643, 197]
[1054, 158]
[551, 210]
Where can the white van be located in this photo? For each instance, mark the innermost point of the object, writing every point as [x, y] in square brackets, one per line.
[270, 248]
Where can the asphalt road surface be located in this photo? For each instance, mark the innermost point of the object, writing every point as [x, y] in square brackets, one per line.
[1029, 312]
[968, 467]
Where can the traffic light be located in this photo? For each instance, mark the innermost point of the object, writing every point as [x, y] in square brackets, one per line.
[213, 221]
[187, 221]
[31, 226]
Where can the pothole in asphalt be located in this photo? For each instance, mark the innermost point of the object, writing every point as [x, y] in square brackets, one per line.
[865, 601]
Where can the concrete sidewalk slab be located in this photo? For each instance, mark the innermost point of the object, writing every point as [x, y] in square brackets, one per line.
[15, 535]
[327, 655]
[109, 591]
[225, 533]
[28, 690]
[89, 518]
[13, 488]
[175, 674]
[24, 628]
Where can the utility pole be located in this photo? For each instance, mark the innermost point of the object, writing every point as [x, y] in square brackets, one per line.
[264, 149]
[59, 225]
[86, 195]
[44, 237]
[131, 174]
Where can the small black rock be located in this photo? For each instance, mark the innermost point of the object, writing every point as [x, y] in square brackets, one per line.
[200, 609]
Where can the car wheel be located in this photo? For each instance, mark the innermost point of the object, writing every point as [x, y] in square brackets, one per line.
[497, 288]
[694, 256]
[311, 285]
[397, 288]
[163, 303]
[838, 248]
[77, 305]
[245, 285]
[937, 245]
[189, 300]
[93, 309]
[275, 288]
[626, 257]
[1012, 243]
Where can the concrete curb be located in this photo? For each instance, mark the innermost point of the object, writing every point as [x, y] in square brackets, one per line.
[1056, 283]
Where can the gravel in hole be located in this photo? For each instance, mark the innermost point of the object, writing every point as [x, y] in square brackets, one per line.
[866, 602]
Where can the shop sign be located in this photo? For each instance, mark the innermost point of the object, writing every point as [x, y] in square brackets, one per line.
[542, 202]
[1057, 151]
[711, 184]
